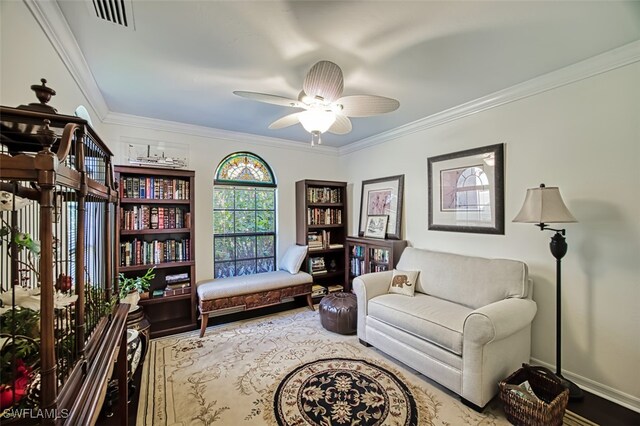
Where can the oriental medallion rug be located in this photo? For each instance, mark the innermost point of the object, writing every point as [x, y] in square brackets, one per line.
[285, 369]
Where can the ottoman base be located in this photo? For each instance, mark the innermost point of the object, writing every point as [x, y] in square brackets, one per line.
[339, 313]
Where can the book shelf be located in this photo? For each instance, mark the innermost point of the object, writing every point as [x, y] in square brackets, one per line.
[365, 255]
[156, 229]
[321, 223]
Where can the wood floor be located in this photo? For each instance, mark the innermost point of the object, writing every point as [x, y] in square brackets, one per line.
[593, 407]
[604, 412]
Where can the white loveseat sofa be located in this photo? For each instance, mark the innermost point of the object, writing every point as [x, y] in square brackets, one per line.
[467, 327]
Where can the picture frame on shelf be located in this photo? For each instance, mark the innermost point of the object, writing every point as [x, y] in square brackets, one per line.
[376, 226]
[466, 191]
[383, 196]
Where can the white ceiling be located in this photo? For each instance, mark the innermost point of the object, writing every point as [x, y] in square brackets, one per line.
[184, 59]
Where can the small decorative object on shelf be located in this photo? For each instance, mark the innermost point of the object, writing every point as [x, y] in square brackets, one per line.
[156, 230]
[321, 224]
[365, 255]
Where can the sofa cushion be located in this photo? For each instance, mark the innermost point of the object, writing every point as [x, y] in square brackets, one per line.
[470, 281]
[427, 317]
[403, 282]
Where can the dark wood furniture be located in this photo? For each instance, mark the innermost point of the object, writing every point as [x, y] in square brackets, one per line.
[365, 255]
[57, 221]
[156, 229]
[321, 213]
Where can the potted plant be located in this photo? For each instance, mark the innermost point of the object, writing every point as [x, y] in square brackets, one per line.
[131, 287]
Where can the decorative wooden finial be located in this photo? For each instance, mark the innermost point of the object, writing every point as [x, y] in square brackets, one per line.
[44, 94]
[46, 136]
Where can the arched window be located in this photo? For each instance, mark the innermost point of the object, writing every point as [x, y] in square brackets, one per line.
[244, 216]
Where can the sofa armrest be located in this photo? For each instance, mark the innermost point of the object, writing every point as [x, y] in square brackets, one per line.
[366, 287]
[498, 320]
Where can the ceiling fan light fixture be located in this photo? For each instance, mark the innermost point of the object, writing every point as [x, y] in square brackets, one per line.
[317, 120]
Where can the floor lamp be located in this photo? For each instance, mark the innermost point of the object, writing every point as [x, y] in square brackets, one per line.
[542, 206]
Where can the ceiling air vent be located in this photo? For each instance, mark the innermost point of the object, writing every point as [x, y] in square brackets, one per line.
[119, 12]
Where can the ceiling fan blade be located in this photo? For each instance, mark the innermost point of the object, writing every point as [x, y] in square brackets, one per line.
[270, 99]
[366, 105]
[286, 121]
[341, 126]
[324, 80]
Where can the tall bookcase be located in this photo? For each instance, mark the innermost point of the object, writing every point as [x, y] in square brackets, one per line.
[321, 223]
[156, 228]
[365, 255]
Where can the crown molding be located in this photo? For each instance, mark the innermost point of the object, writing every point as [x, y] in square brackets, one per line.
[50, 18]
[129, 120]
[616, 58]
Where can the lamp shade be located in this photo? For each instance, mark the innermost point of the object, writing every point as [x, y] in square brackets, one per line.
[316, 120]
[544, 205]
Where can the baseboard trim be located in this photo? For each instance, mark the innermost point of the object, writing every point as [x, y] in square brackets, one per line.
[621, 398]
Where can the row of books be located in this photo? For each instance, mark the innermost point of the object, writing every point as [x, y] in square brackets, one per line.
[379, 255]
[328, 216]
[146, 217]
[358, 251]
[317, 266]
[319, 290]
[154, 188]
[378, 268]
[138, 252]
[356, 267]
[324, 195]
[321, 241]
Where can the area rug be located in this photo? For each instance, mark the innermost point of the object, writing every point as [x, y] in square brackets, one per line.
[285, 369]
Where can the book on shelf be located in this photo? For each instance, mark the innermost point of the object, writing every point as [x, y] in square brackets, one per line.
[321, 240]
[336, 246]
[318, 290]
[317, 266]
[174, 278]
[336, 288]
[324, 195]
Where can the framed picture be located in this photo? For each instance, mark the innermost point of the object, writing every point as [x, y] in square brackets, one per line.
[376, 226]
[382, 196]
[466, 191]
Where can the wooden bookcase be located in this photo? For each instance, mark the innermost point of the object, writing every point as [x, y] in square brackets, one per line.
[156, 228]
[321, 223]
[365, 255]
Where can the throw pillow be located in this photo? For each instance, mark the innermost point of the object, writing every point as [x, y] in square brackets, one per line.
[404, 282]
[293, 258]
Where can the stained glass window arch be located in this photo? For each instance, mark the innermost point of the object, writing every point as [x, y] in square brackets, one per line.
[244, 216]
[244, 168]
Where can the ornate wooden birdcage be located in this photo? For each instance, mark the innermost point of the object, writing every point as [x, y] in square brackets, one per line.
[59, 322]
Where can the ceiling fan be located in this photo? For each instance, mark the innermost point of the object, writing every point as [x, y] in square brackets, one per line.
[324, 110]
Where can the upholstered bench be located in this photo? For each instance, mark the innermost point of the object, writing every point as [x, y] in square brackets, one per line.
[233, 294]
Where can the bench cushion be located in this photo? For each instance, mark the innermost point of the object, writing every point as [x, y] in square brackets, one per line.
[247, 284]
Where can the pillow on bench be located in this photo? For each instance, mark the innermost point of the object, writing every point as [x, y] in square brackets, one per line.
[293, 258]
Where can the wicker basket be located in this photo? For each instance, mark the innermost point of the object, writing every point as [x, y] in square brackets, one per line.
[525, 410]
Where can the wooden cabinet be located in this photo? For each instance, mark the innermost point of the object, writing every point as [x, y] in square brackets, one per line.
[365, 255]
[321, 223]
[156, 229]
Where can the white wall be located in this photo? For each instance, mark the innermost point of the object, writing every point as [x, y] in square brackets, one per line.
[584, 138]
[26, 56]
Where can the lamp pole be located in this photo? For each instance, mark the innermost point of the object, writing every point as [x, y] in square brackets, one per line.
[558, 247]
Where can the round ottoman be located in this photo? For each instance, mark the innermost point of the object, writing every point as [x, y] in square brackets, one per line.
[339, 313]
